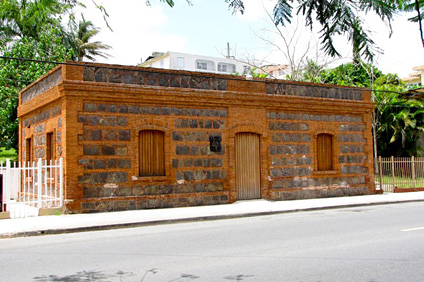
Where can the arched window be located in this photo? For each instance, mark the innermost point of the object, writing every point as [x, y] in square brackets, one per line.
[324, 152]
[151, 153]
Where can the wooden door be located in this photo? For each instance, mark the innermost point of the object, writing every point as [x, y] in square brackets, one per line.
[325, 152]
[248, 177]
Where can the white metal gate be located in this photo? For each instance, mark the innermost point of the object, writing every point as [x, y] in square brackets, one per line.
[29, 187]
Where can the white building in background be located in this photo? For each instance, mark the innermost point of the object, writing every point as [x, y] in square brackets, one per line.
[190, 62]
[415, 78]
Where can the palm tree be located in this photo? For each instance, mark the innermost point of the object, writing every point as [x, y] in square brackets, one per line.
[80, 42]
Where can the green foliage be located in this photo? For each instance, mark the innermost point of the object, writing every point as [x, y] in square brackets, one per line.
[312, 72]
[398, 121]
[32, 30]
[17, 74]
[80, 41]
[8, 154]
[351, 74]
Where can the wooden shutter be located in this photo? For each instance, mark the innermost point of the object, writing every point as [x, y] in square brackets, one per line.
[325, 152]
[50, 147]
[28, 155]
[152, 158]
[248, 179]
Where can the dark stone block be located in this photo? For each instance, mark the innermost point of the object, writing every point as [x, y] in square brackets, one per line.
[188, 162]
[128, 79]
[176, 111]
[115, 78]
[111, 163]
[88, 74]
[116, 177]
[122, 121]
[122, 109]
[183, 150]
[188, 175]
[91, 150]
[99, 164]
[110, 135]
[216, 162]
[111, 108]
[108, 150]
[195, 150]
[133, 109]
[82, 118]
[152, 79]
[164, 80]
[100, 75]
[198, 162]
[124, 163]
[208, 124]
[194, 124]
[174, 163]
[124, 135]
[176, 136]
[90, 107]
[166, 111]
[184, 123]
[206, 162]
[140, 80]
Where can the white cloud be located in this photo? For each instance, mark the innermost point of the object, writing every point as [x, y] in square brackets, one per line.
[256, 9]
[136, 31]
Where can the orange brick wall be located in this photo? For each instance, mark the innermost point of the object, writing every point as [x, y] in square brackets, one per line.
[99, 111]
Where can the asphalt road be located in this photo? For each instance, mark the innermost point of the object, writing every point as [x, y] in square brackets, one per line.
[370, 244]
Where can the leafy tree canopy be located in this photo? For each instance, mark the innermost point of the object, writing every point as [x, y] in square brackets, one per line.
[15, 75]
[30, 30]
[398, 121]
[351, 74]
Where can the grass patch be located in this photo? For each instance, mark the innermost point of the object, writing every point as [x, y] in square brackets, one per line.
[8, 154]
[402, 182]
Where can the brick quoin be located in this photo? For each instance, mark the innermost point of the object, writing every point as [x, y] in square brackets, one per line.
[97, 111]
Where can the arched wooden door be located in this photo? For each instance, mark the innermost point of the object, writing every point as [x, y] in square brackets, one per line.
[248, 176]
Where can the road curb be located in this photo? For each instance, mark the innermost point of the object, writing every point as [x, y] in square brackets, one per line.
[184, 220]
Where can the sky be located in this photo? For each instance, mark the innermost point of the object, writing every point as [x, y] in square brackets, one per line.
[206, 26]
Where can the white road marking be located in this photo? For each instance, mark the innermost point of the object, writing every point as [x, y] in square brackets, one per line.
[413, 229]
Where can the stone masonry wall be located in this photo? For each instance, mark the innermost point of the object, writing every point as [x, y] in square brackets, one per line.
[293, 152]
[96, 113]
[36, 127]
[110, 157]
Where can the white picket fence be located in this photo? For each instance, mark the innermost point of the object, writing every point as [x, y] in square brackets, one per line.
[29, 187]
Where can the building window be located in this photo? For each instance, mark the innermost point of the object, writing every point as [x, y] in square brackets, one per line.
[28, 150]
[324, 152]
[151, 153]
[180, 62]
[246, 69]
[224, 67]
[205, 65]
[50, 147]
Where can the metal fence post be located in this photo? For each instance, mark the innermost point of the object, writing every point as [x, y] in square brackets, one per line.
[413, 171]
[380, 173]
[61, 181]
[8, 184]
[39, 182]
[393, 171]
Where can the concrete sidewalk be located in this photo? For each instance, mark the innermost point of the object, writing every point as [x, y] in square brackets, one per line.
[41, 225]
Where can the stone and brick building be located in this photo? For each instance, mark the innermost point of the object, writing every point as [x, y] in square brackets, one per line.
[135, 138]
